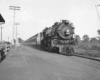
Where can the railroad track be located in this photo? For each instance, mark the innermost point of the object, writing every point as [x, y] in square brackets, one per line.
[87, 57]
[82, 56]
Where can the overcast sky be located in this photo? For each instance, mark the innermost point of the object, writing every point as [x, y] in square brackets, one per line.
[35, 15]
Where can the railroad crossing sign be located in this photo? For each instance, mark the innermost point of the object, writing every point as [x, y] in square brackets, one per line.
[2, 21]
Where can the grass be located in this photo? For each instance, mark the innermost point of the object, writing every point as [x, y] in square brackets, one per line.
[91, 49]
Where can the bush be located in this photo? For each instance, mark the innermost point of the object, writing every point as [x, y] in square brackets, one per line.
[89, 49]
[94, 47]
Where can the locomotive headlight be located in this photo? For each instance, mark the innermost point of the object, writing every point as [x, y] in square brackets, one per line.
[67, 32]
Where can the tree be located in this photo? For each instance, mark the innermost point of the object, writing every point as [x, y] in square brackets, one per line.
[98, 31]
[77, 38]
[20, 40]
[93, 39]
[86, 38]
[14, 41]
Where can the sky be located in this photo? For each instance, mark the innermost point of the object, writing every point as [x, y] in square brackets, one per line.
[35, 15]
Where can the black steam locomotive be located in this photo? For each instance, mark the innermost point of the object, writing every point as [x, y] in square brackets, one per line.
[58, 38]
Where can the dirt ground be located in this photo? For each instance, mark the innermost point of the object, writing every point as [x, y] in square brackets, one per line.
[25, 63]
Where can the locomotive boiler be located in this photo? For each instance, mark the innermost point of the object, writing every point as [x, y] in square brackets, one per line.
[58, 38]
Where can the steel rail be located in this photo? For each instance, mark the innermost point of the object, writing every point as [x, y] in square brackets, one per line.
[86, 57]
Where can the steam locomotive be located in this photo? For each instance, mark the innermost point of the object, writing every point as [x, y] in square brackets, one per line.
[58, 38]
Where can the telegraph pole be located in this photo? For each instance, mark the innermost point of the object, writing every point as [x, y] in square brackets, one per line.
[14, 8]
[16, 31]
[8, 39]
[97, 10]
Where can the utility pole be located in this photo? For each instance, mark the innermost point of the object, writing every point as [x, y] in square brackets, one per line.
[16, 32]
[14, 8]
[8, 39]
[97, 10]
